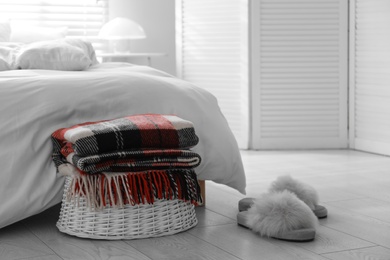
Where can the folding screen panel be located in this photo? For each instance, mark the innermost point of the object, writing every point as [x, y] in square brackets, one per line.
[370, 76]
[299, 73]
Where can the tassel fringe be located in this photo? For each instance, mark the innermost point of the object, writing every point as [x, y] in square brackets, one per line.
[120, 189]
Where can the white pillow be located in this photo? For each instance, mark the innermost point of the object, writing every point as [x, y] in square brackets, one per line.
[8, 52]
[25, 33]
[85, 46]
[54, 55]
[4, 65]
[5, 53]
[5, 31]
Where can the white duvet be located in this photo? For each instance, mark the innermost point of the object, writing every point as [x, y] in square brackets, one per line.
[34, 103]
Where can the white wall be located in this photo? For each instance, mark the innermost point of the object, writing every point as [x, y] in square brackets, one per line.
[157, 17]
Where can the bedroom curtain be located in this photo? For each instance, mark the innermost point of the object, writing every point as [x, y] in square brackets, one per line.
[211, 44]
[370, 76]
[83, 18]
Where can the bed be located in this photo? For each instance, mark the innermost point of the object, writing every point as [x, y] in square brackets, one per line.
[36, 102]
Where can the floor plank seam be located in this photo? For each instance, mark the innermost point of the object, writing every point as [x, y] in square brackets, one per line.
[362, 214]
[215, 225]
[128, 241]
[32, 232]
[381, 200]
[350, 235]
[238, 258]
[330, 201]
[349, 250]
[388, 247]
[299, 244]
[38, 257]
[216, 212]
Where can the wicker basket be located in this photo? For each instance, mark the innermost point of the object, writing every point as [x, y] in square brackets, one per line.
[164, 217]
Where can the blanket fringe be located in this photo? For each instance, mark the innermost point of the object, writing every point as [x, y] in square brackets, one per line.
[120, 189]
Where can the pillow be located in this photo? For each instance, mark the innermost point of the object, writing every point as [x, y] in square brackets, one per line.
[8, 52]
[4, 65]
[25, 33]
[85, 46]
[53, 55]
[5, 31]
[5, 53]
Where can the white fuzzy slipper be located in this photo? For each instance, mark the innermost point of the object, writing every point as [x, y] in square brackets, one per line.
[304, 192]
[280, 215]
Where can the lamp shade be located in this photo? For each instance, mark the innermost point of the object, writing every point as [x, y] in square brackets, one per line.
[121, 28]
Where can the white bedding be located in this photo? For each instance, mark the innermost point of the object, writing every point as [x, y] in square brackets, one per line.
[34, 103]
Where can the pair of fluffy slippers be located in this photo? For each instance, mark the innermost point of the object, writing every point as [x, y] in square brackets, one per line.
[289, 211]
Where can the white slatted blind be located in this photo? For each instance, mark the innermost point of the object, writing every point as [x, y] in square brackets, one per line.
[299, 73]
[372, 76]
[83, 18]
[212, 53]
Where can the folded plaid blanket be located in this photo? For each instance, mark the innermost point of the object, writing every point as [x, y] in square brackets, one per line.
[131, 188]
[131, 161]
[147, 131]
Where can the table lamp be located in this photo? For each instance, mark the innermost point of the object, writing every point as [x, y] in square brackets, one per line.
[119, 31]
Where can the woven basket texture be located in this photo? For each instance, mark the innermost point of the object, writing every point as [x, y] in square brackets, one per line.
[164, 217]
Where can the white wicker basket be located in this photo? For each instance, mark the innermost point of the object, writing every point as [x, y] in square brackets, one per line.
[164, 217]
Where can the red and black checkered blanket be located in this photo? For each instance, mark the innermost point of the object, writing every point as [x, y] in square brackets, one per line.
[131, 132]
[129, 160]
[124, 141]
[134, 160]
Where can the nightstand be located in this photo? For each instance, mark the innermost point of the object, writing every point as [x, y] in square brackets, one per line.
[129, 57]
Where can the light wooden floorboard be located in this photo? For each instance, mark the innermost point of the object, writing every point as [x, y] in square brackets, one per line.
[330, 240]
[367, 207]
[353, 185]
[16, 242]
[208, 218]
[69, 247]
[246, 245]
[361, 226]
[180, 246]
[46, 257]
[371, 253]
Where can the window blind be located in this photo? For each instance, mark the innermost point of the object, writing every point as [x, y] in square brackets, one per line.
[371, 67]
[83, 18]
[212, 53]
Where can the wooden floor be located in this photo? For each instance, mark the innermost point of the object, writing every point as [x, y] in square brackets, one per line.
[354, 186]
